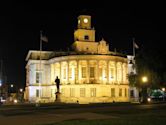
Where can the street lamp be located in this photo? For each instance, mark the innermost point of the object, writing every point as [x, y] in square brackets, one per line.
[10, 89]
[144, 89]
[21, 90]
[163, 89]
[11, 85]
[20, 95]
[164, 96]
[0, 91]
[144, 79]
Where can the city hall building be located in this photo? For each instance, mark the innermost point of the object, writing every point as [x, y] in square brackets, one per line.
[91, 73]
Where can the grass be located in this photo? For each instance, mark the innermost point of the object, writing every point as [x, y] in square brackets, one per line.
[147, 119]
[154, 116]
[122, 114]
[121, 121]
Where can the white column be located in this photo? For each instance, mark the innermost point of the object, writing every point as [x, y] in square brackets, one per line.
[78, 72]
[107, 70]
[88, 71]
[60, 73]
[122, 73]
[97, 71]
[67, 72]
[115, 72]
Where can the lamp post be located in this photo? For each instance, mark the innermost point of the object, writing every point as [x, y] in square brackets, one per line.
[0, 91]
[21, 90]
[11, 85]
[20, 95]
[144, 89]
[10, 89]
[163, 89]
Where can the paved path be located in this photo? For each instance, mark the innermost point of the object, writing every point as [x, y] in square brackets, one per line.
[48, 118]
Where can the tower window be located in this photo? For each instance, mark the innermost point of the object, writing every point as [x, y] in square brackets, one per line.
[86, 37]
[38, 77]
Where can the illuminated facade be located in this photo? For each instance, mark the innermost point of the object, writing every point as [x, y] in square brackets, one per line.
[134, 91]
[88, 74]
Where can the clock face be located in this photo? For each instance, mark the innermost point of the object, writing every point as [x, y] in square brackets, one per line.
[85, 20]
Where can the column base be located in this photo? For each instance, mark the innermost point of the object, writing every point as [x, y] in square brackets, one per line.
[58, 98]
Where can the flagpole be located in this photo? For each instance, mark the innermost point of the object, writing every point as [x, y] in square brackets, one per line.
[133, 47]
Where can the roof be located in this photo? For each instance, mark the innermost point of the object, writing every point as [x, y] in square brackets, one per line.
[34, 54]
[46, 55]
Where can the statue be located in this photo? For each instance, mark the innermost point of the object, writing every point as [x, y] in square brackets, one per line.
[57, 81]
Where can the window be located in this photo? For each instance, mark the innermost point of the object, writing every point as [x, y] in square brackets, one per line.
[82, 92]
[100, 72]
[64, 73]
[112, 92]
[63, 91]
[104, 72]
[37, 92]
[92, 72]
[52, 92]
[132, 93]
[38, 77]
[83, 72]
[119, 73]
[75, 74]
[70, 73]
[93, 92]
[86, 37]
[120, 92]
[112, 73]
[72, 92]
[125, 92]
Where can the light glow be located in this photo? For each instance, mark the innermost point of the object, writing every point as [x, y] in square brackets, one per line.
[163, 89]
[144, 79]
[85, 20]
[149, 99]
[21, 90]
[15, 101]
[11, 85]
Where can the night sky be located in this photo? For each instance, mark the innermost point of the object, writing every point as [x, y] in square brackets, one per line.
[117, 23]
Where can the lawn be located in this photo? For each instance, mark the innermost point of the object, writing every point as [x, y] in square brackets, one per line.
[151, 116]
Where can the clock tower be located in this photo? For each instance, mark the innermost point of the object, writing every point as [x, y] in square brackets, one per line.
[84, 22]
[84, 31]
[84, 35]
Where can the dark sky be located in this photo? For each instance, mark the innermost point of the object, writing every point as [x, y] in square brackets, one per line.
[117, 23]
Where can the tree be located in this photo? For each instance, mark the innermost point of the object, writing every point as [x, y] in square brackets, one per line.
[132, 79]
[149, 62]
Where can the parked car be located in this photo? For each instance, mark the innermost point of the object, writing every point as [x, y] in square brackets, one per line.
[157, 95]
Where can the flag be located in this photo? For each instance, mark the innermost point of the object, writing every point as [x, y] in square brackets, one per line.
[135, 45]
[44, 38]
